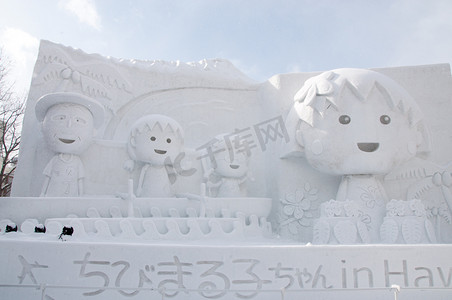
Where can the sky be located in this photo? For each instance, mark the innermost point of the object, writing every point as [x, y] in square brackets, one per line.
[262, 38]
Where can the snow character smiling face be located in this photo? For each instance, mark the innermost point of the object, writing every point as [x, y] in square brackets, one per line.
[68, 126]
[357, 122]
[156, 141]
[230, 163]
[227, 171]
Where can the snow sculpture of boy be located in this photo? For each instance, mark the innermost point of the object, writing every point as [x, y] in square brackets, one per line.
[156, 141]
[227, 169]
[68, 125]
[358, 124]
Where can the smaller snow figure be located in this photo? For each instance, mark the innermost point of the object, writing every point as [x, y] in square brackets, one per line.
[155, 141]
[68, 121]
[227, 169]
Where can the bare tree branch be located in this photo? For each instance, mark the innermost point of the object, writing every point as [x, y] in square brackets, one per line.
[11, 113]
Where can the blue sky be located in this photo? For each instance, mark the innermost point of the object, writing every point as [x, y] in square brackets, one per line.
[260, 37]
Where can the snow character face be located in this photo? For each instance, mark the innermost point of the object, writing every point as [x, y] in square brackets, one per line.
[228, 164]
[68, 128]
[358, 122]
[155, 139]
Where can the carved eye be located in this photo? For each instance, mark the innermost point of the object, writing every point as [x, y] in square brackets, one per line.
[80, 121]
[385, 119]
[168, 140]
[59, 117]
[345, 119]
[153, 138]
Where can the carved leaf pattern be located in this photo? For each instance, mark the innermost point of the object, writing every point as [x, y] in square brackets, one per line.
[411, 231]
[415, 169]
[49, 72]
[363, 232]
[416, 190]
[345, 232]
[445, 213]
[321, 232]
[389, 231]
[430, 231]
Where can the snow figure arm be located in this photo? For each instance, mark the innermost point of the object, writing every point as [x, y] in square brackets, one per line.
[141, 179]
[81, 176]
[45, 186]
[80, 187]
[129, 165]
[243, 179]
[48, 175]
[343, 189]
[211, 184]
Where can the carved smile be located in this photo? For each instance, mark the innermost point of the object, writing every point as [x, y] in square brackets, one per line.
[159, 151]
[234, 166]
[67, 141]
[368, 147]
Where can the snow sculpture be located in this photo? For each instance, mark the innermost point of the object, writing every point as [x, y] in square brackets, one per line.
[358, 124]
[68, 125]
[224, 192]
[406, 222]
[155, 141]
[210, 245]
[227, 169]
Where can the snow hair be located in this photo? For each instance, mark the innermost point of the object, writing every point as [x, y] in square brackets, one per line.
[150, 122]
[328, 89]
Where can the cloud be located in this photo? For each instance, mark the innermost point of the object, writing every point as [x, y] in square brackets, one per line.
[21, 49]
[426, 28]
[84, 10]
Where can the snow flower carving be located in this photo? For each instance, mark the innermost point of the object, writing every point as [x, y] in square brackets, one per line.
[437, 208]
[429, 176]
[444, 212]
[371, 196]
[351, 209]
[333, 208]
[297, 208]
[401, 208]
[418, 208]
[296, 204]
[395, 208]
